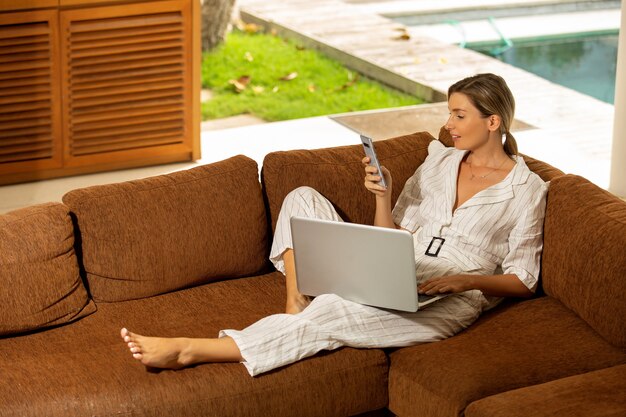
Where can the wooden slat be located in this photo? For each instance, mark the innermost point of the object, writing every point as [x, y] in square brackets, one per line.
[121, 59]
[170, 85]
[118, 98]
[24, 98]
[174, 101]
[23, 123]
[43, 75]
[20, 140]
[95, 25]
[26, 156]
[125, 39]
[130, 65]
[41, 113]
[123, 81]
[124, 130]
[146, 120]
[157, 132]
[137, 73]
[83, 39]
[24, 40]
[128, 111]
[28, 30]
[24, 89]
[127, 145]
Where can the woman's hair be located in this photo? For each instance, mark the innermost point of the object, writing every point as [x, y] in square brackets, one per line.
[490, 95]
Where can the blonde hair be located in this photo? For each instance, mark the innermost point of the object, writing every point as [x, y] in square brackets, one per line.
[491, 96]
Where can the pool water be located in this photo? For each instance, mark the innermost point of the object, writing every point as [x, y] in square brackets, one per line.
[584, 63]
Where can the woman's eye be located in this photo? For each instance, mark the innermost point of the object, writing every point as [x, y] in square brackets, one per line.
[460, 117]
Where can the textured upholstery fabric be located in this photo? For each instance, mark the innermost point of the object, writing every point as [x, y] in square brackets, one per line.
[85, 369]
[147, 237]
[594, 394]
[338, 174]
[40, 285]
[517, 345]
[546, 171]
[584, 260]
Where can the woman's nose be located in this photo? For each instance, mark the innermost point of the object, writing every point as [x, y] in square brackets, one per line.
[448, 125]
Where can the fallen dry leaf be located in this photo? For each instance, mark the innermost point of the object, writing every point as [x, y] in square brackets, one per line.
[403, 36]
[251, 28]
[275, 89]
[248, 56]
[352, 79]
[289, 76]
[240, 83]
[258, 89]
[311, 88]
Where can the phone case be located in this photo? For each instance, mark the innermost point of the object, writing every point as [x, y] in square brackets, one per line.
[368, 147]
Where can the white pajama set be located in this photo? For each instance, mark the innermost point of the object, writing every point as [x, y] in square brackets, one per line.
[498, 230]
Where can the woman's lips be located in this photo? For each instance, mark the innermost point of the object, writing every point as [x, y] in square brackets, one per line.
[455, 137]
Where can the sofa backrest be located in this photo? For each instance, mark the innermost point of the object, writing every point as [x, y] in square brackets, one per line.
[150, 236]
[338, 174]
[40, 283]
[584, 256]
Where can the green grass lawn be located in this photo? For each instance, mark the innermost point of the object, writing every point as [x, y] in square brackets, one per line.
[274, 79]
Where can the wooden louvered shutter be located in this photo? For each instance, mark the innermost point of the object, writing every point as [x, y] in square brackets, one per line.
[127, 82]
[30, 117]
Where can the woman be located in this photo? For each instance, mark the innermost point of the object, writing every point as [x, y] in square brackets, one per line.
[475, 212]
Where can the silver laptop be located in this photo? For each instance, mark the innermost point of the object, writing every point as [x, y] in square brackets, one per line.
[365, 264]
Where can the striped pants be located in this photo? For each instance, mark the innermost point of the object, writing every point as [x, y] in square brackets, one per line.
[330, 321]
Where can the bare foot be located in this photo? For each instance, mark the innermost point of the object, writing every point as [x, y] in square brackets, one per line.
[297, 303]
[157, 352]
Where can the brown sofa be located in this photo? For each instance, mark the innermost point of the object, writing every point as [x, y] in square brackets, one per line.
[185, 254]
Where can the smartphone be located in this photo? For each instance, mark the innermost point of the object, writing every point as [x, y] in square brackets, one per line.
[368, 146]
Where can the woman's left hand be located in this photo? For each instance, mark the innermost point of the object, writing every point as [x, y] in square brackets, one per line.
[449, 284]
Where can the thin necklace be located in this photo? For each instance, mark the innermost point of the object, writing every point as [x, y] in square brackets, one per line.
[487, 174]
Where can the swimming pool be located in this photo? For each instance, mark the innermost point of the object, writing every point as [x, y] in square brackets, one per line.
[583, 62]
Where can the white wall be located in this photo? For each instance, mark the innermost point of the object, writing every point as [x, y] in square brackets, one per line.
[617, 183]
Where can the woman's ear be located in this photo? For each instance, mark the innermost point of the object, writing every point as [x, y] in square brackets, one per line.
[494, 123]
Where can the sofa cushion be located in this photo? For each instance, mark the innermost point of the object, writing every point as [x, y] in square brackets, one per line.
[593, 394]
[546, 171]
[338, 174]
[40, 284]
[85, 369]
[146, 237]
[516, 345]
[584, 257]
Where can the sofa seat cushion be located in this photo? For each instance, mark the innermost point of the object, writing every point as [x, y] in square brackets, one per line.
[593, 394]
[40, 283]
[85, 369]
[154, 235]
[515, 345]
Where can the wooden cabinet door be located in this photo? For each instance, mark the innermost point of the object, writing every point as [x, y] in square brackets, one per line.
[30, 116]
[127, 83]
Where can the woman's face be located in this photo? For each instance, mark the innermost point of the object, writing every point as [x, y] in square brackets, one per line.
[469, 129]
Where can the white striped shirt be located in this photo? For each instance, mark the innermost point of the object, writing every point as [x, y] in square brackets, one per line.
[498, 230]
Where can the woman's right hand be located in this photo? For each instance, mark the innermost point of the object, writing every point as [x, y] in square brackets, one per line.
[372, 178]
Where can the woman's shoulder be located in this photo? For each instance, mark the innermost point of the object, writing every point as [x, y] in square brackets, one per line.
[531, 181]
[438, 151]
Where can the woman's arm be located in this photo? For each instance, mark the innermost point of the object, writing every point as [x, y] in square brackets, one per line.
[383, 216]
[507, 285]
